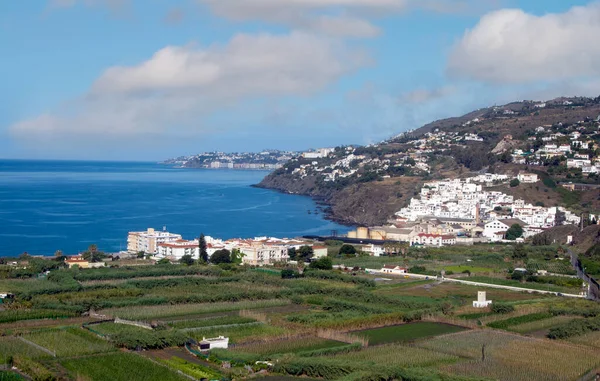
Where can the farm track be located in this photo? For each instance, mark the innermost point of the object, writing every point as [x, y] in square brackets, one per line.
[491, 285]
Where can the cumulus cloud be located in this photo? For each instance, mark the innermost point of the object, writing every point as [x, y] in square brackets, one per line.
[511, 46]
[180, 86]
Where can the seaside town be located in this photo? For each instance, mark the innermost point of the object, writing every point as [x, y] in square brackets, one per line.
[572, 146]
[264, 160]
[300, 190]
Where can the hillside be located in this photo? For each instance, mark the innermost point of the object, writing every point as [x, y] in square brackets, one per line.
[367, 185]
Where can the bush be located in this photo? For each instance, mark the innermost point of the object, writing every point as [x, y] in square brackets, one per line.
[187, 260]
[502, 308]
[289, 274]
[514, 183]
[347, 250]
[221, 256]
[575, 328]
[324, 263]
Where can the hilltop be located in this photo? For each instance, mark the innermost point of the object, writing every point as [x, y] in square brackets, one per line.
[366, 185]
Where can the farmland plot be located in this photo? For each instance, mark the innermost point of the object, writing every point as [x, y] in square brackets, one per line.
[399, 355]
[407, 332]
[70, 342]
[288, 346]
[119, 367]
[12, 346]
[513, 358]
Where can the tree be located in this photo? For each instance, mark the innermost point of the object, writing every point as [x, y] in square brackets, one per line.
[323, 263]
[236, 256]
[541, 239]
[187, 260]
[221, 256]
[163, 261]
[519, 251]
[514, 183]
[203, 253]
[141, 254]
[292, 253]
[347, 250]
[305, 253]
[92, 254]
[514, 232]
[289, 274]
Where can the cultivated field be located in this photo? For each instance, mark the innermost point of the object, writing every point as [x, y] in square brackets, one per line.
[324, 324]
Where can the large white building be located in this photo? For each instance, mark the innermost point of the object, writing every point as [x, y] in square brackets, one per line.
[263, 254]
[496, 230]
[177, 249]
[148, 241]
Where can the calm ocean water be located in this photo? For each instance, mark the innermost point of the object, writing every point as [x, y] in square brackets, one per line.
[60, 205]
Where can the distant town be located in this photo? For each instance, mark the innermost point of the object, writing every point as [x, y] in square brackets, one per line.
[265, 160]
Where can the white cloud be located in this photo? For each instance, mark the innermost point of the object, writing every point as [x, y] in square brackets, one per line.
[341, 18]
[511, 46]
[180, 86]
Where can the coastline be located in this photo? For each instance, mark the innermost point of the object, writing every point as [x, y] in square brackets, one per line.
[322, 204]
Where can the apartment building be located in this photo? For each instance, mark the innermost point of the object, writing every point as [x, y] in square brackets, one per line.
[177, 249]
[148, 241]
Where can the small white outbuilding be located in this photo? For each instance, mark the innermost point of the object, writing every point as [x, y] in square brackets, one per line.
[481, 301]
[215, 342]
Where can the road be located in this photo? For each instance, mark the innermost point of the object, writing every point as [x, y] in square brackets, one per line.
[479, 284]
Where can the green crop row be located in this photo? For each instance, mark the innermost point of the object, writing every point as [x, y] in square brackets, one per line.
[11, 316]
[506, 323]
[195, 370]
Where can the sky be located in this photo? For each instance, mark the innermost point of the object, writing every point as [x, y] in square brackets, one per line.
[153, 79]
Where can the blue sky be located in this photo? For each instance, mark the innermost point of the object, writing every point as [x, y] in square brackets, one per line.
[151, 79]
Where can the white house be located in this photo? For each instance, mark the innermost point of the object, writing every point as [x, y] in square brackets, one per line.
[578, 163]
[493, 229]
[481, 301]
[374, 250]
[319, 251]
[393, 269]
[527, 178]
[215, 342]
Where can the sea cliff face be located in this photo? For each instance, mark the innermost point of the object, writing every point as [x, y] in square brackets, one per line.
[365, 204]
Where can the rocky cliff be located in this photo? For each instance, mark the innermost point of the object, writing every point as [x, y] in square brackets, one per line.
[367, 204]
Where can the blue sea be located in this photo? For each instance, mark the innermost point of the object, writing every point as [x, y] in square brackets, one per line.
[66, 205]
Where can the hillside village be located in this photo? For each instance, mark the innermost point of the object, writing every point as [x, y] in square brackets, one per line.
[526, 161]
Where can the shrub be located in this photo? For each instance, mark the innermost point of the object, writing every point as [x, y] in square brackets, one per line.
[575, 328]
[502, 308]
[324, 263]
[289, 274]
[514, 183]
[347, 250]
